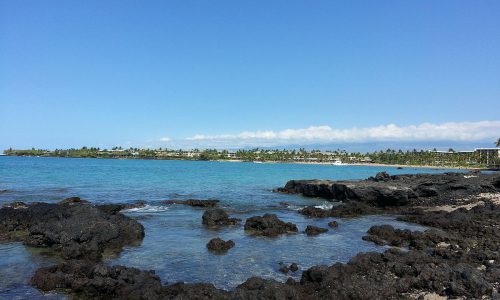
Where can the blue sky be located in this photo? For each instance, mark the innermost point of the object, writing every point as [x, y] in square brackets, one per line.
[247, 73]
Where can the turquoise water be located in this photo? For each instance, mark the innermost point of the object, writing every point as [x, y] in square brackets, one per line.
[175, 239]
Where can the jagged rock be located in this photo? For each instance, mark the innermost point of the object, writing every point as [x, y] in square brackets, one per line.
[283, 268]
[347, 210]
[218, 244]
[269, 225]
[293, 267]
[73, 200]
[218, 217]
[315, 212]
[117, 207]
[399, 190]
[194, 202]
[382, 176]
[16, 205]
[258, 288]
[314, 230]
[74, 231]
[333, 224]
[97, 281]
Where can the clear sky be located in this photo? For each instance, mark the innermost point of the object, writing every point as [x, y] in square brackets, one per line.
[226, 73]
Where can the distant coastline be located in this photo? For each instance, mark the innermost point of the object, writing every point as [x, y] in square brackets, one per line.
[403, 166]
[480, 158]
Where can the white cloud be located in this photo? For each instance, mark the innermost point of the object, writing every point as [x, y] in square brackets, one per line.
[165, 139]
[452, 131]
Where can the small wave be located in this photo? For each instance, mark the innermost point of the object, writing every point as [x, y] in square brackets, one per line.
[324, 206]
[295, 207]
[147, 209]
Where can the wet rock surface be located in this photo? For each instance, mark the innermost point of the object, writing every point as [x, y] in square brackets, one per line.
[218, 244]
[218, 217]
[385, 194]
[117, 207]
[88, 280]
[457, 257]
[333, 224]
[73, 200]
[193, 202]
[73, 229]
[314, 230]
[269, 225]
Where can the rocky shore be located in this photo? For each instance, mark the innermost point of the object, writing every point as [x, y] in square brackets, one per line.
[457, 257]
[73, 228]
[394, 194]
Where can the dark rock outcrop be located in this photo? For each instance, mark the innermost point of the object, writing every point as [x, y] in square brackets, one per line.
[194, 202]
[97, 281]
[73, 200]
[333, 224]
[115, 208]
[218, 217]
[258, 288]
[218, 244]
[384, 190]
[16, 205]
[72, 230]
[347, 210]
[314, 230]
[458, 257]
[283, 268]
[268, 225]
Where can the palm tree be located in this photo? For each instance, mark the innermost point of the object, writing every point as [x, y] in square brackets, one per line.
[498, 142]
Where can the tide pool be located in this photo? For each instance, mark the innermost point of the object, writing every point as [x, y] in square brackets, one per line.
[175, 242]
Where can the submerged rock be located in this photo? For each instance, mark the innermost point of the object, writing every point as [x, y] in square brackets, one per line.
[218, 244]
[218, 217]
[333, 224]
[73, 231]
[269, 225]
[283, 268]
[194, 202]
[314, 230]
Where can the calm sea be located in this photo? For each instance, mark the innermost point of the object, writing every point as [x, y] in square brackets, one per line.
[175, 239]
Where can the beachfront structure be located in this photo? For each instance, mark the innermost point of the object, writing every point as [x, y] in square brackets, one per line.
[231, 154]
[488, 156]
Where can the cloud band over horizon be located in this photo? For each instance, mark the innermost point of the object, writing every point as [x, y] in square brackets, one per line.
[451, 131]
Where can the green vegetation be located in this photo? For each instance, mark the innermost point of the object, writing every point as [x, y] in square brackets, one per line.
[498, 142]
[450, 158]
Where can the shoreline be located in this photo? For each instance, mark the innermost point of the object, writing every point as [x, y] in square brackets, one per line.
[450, 260]
[281, 162]
[362, 165]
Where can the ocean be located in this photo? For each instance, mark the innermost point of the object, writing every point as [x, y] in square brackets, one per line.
[175, 242]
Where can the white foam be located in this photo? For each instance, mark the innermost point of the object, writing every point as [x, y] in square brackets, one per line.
[325, 206]
[147, 209]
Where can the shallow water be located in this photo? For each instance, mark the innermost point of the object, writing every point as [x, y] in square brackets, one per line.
[175, 242]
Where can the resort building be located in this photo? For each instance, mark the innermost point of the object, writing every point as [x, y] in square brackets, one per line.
[488, 156]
